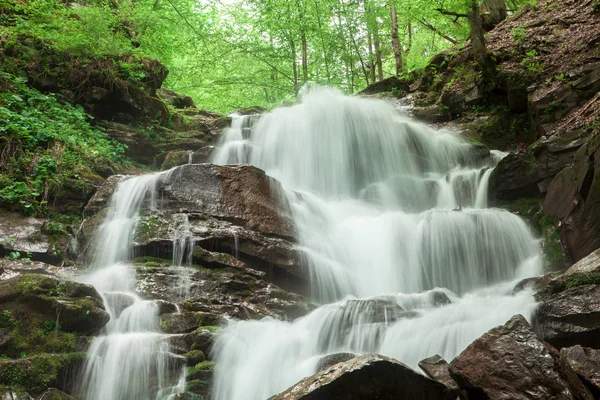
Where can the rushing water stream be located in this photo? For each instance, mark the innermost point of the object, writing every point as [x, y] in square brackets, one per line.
[406, 259]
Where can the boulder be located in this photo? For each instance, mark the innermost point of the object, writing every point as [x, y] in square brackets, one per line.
[369, 376]
[510, 362]
[39, 300]
[228, 215]
[529, 174]
[438, 369]
[569, 311]
[586, 363]
[574, 198]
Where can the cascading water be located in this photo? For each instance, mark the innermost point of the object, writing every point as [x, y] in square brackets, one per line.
[387, 212]
[131, 359]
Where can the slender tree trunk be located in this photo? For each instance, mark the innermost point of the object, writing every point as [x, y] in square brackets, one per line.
[322, 41]
[410, 36]
[371, 58]
[304, 58]
[294, 64]
[395, 39]
[477, 35]
[378, 56]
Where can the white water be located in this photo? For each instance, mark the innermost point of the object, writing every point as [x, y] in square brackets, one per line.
[130, 359]
[372, 194]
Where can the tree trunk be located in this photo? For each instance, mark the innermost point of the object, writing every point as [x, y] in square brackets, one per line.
[477, 35]
[496, 10]
[378, 56]
[371, 58]
[304, 58]
[395, 39]
[294, 65]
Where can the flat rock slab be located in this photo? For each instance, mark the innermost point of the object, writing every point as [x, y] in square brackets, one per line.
[365, 377]
[511, 363]
[586, 362]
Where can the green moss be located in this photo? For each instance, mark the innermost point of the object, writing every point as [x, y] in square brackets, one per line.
[567, 282]
[35, 373]
[147, 229]
[150, 262]
[197, 386]
[525, 207]
[206, 366]
[207, 319]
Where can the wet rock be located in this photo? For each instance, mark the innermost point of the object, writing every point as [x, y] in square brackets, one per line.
[174, 158]
[180, 322]
[437, 369]
[574, 198]
[164, 307]
[13, 268]
[332, 359]
[75, 307]
[10, 394]
[368, 376]
[586, 363]
[530, 174]
[24, 235]
[201, 339]
[55, 394]
[569, 311]
[510, 362]
[195, 357]
[236, 216]
[139, 147]
[431, 114]
[589, 264]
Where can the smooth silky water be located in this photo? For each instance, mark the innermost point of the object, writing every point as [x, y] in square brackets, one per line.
[396, 269]
[131, 359]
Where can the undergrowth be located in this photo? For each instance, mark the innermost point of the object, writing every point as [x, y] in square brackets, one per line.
[44, 142]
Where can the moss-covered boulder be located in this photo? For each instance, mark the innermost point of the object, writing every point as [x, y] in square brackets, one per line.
[40, 314]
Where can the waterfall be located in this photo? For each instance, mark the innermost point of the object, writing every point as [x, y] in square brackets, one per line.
[404, 256]
[131, 359]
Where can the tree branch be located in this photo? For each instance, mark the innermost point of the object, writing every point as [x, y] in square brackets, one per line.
[451, 13]
[436, 30]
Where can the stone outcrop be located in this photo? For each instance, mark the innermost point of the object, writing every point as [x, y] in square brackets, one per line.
[586, 363]
[438, 369]
[368, 376]
[569, 311]
[226, 210]
[574, 198]
[511, 362]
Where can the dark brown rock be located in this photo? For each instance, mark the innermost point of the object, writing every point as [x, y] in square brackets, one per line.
[510, 362]
[574, 198]
[391, 84]
[55, 394]
[437, 369]
[368, 376]
[572, 316]
[176, 100]
[586, 363]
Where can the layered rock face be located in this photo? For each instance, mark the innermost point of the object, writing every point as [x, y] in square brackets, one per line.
[235, 210]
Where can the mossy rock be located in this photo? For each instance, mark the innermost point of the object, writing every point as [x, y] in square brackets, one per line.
[38, 373]
[566, 282]
[40, 314]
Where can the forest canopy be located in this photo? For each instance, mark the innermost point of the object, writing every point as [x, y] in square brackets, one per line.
[229, 54]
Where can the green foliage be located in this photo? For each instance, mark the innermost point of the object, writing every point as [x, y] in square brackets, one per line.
[531, 62]
[596, 6]
[519, 35]
[44, 142]
[553, 107]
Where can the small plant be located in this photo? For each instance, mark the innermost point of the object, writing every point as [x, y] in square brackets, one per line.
[596, 6]
[554, 106]
[531, 63]
[560, 77]
[519, 35]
